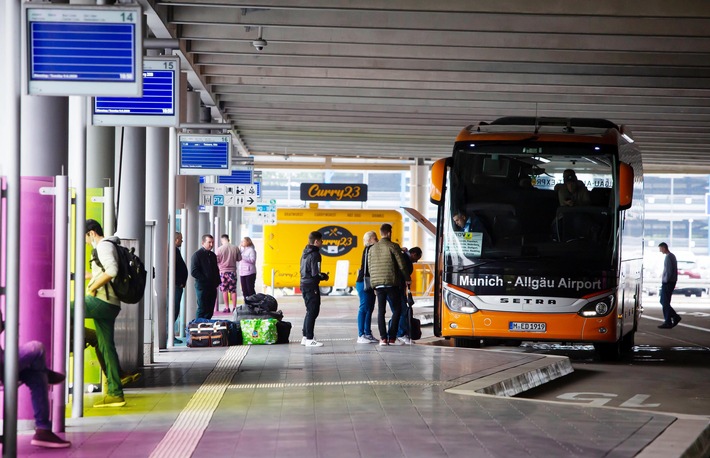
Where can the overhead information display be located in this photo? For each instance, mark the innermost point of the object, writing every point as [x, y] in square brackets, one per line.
[205, 154]
[157, 108]
[83, 50]
[237, 177]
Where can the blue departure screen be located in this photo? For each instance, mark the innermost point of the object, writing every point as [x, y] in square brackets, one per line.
[204, 154]
[158, 97]
[237, 177]
[82, 51]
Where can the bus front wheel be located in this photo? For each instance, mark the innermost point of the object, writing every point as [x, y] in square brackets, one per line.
[615, 351]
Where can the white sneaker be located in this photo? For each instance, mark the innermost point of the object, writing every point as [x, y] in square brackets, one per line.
[363, 340]
[304, 340]
[405, 340]
[313, 343]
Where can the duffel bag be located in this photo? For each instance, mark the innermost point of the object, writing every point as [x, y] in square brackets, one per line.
[283, 332]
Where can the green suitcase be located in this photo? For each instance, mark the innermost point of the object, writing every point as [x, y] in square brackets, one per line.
[259, 331]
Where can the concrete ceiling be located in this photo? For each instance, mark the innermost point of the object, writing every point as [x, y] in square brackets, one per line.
[400, 78]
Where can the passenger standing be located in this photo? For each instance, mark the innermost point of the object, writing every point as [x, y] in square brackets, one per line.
[180, 279]
[227, 257]
[387, 272]
[103, 306]
[204, 269]
[367, 298]
[247, 268]
[668, 281]
[311, 277]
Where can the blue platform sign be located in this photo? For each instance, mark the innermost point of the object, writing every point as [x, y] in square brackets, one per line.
[84, 50]
[159, 106]
[205, 154]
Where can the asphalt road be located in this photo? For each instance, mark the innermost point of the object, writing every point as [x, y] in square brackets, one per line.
[668, 371]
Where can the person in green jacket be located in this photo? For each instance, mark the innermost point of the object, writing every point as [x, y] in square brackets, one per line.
[388, 271]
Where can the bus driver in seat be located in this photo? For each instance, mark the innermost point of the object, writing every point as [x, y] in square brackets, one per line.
[572, 192]
[462, 223]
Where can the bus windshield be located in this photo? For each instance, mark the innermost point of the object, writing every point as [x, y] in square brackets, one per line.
[526, 201]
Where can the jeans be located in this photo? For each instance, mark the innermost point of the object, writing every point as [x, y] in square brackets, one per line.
[364, 313]
[248, 282]
[311, 297]
[206, 297]
[104, 315]
[391, 294]
[665, 296]
[33, 373]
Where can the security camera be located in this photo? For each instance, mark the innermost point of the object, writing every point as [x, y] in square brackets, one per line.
[259, 44]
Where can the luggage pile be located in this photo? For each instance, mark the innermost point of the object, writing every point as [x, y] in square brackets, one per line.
[259, 317]
[257, 322]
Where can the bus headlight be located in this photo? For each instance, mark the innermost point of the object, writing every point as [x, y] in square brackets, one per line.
[459, 304]
[599, 307]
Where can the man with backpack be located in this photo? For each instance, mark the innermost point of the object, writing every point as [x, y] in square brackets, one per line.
[102, 304]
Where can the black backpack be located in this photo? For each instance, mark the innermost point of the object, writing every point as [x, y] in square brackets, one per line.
[129, 284]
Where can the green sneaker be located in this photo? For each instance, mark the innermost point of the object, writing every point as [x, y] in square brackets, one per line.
[111, 401]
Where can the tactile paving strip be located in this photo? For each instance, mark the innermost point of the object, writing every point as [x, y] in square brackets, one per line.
[184, 435]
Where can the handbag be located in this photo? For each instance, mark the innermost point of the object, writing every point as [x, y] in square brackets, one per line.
[367, 286]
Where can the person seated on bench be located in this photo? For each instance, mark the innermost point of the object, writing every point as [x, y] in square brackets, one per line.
[34, 373]
[572, 192]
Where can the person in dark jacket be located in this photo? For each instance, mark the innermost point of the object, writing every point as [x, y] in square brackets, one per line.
[411, 256]
[388, 271]
[204, 269]
[311, 277]
[180, 279]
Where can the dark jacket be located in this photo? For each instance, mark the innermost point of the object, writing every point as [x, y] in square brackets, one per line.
[364, 267]
[204, 268]
[180, 269]
[310, 267]
[386, 264]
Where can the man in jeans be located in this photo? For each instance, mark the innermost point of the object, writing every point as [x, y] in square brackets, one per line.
[311, 277]
[101, 304]
[34, 373]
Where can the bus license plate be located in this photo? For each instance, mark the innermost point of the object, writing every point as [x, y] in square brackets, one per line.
[527, 327]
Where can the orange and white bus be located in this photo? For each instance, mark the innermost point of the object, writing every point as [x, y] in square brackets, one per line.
[551, 247]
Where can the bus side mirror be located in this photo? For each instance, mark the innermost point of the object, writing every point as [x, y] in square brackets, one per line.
[626, 185]
[438, 173]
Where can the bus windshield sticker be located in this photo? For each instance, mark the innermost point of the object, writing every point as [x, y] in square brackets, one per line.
[469, 244]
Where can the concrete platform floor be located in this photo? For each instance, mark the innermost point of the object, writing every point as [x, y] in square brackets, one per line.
[359, 400]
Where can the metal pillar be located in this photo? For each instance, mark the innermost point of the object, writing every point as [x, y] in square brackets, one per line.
[191, 234]
[77, 174]
[61, 288]
[10, 86]
[157, 146]
[170, 247]
[130, 217]
[419, 188]
[46, 155]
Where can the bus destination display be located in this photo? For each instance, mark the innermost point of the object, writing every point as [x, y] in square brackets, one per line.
[83, 50]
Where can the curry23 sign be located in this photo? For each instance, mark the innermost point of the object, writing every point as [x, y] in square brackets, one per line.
[343, 192]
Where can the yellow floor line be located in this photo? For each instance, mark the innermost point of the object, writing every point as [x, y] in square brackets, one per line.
[183, 436]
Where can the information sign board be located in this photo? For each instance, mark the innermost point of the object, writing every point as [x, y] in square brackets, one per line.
[159, 105]
[227, 195]
[83, 50]
[205, 154]
[237, 177]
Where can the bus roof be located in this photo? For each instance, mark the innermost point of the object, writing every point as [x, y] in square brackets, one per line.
[552, 129]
